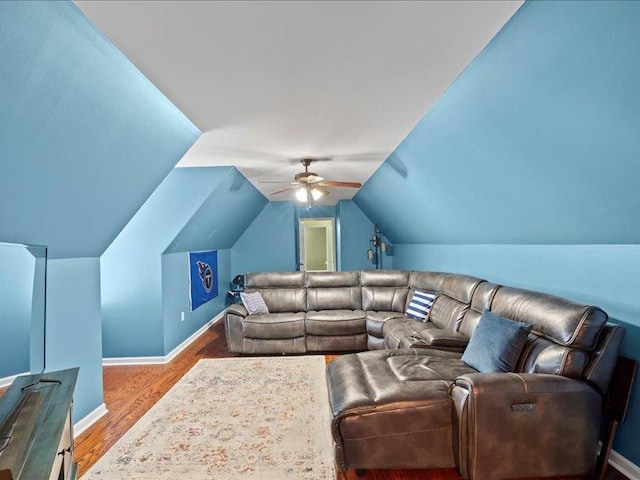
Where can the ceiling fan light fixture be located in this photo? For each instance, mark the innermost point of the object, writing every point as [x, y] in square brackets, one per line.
[301, 194]
[317, 194]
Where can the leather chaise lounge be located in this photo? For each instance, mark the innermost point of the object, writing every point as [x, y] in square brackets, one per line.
[410, 401]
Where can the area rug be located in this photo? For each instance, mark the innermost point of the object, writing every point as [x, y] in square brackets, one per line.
[261, 418]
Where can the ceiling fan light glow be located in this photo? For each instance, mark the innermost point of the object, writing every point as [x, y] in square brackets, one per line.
[301, 194]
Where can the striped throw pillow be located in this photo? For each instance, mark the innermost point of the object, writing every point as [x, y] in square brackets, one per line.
[420, 304]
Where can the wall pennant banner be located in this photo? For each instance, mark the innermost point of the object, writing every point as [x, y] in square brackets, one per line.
[203, 277]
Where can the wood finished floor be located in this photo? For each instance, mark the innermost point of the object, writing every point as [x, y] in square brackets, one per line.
[130, 391]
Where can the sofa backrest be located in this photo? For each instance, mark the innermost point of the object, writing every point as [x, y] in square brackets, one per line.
[481, 300]
[384, 290]
[282, 291]
[453, 300]
[333, 291]
[564, 332]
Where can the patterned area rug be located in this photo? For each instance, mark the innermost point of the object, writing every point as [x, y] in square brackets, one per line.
[232, 418]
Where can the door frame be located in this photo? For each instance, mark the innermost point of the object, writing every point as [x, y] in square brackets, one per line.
[331, 247]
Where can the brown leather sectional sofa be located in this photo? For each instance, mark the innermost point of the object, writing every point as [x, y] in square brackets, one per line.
[413, 403]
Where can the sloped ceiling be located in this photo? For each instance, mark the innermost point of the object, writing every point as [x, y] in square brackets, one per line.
[222, 217]
[85, 137]
[535, 143]
[270, 82]
[186, 212]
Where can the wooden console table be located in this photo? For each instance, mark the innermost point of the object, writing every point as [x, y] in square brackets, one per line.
[38, 443]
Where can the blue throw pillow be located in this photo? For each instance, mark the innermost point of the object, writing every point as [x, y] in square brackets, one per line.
[420, 304]
[496, 344]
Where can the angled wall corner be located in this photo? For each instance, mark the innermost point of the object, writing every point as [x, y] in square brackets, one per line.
[354, 231]
[220, 220]
[131, 268]
[269, 243]
[534, 143]
[191, 210]
[86, 137]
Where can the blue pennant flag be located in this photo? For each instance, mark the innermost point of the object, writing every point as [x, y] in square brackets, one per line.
[203, 277]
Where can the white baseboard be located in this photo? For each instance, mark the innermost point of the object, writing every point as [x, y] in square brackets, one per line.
[89, 420]
[6, 381]
[109, 362]
[624, 466]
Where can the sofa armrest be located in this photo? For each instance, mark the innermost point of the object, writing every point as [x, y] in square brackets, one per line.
[237, 309]
[233, 327]
[437, 337]
[512, 425]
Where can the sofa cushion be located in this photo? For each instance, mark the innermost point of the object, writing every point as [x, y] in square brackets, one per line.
[496, 344]
[342, 298]
[274, 325]
[419, 306]
[391, 299]
[481, 301]
[254, 303]
[404, 332]
[558, 319]
[428, 281]
[376, 320]
[284, 300]
[540, 355]
[447, 312]
[429, 365]
[333, 279]
[274, 279]
[384, 278]
[335, 322]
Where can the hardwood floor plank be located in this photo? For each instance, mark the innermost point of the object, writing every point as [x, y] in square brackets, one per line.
[130, 391]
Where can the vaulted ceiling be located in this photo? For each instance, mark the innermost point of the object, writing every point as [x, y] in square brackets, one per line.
[270, 82]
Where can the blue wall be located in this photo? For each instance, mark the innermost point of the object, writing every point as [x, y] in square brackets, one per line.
[74, 327]
[175, 297]
[354, 230]
[271, 241]
[85, 136]
[193, 209]
[223, 216]
[525, 171]
[85, 139]
[535, 143]
[131, 267]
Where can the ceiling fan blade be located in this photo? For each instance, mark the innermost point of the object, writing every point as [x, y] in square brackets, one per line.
[331, 183]
[283, 190]
[275, 181]
[324, 192]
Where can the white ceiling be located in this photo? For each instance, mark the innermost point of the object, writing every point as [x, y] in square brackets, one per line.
[271, 82]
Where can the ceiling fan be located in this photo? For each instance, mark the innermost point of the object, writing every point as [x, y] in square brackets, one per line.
[309, 185]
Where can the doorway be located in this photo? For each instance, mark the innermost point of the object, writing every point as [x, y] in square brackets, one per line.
[317, 244]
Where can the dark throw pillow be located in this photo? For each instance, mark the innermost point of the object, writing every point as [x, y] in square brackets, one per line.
[496, 344]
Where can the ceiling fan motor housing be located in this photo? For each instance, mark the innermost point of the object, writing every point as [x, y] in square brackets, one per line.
[306, 177]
